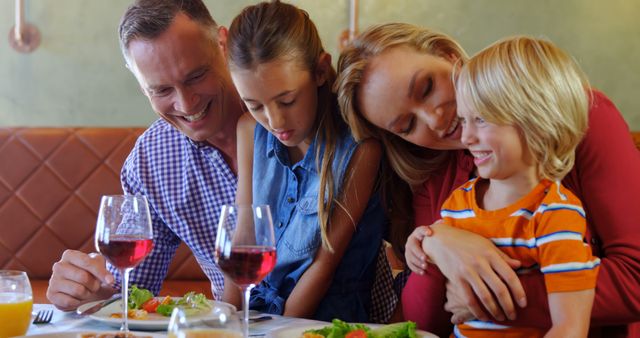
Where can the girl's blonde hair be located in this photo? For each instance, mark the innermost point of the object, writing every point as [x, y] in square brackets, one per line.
[274, 30]
[534, 85]
[406, 165]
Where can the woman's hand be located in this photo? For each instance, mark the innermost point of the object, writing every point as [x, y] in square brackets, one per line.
[455, 305]
[475, 267]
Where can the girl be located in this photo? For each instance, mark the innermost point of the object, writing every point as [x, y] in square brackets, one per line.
[301, 160]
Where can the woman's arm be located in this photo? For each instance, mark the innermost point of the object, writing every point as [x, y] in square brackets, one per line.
[244, 194]
[359, 182]
[427, 202]
[477, 267]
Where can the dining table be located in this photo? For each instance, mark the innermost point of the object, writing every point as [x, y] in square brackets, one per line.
[69, 322]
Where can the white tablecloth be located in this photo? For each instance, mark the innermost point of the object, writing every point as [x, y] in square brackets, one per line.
[70, 322]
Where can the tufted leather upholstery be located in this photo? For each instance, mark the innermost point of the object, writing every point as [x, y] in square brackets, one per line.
[51, 181]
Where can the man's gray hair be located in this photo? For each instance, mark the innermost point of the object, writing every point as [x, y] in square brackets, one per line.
[147, 19]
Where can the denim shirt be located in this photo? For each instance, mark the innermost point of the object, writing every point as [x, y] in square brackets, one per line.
[292, 190]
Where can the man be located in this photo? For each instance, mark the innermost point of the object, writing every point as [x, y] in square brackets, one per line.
[185, 163]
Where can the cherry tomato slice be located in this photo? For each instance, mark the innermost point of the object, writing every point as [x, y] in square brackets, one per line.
[356, 334]
[151, 305]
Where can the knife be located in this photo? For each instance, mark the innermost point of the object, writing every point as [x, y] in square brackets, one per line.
[95, 308]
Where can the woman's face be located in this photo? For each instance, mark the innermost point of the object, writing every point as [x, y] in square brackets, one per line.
[411, 94]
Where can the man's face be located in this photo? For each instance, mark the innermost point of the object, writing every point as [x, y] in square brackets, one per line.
[184, 74]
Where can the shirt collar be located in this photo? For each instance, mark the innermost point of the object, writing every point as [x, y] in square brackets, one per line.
[202, 146]
[279, 150]
[196, 144]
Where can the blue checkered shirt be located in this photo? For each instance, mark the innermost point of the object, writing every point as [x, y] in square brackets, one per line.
[186, 183]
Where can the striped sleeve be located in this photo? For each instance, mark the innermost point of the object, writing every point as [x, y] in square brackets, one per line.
[564, 256]
[456, 206]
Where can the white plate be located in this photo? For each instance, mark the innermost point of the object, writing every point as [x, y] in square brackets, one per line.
[79, 334]
[296, 331]
[154, 321]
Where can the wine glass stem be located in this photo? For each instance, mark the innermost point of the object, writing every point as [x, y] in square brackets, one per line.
[246, 293]
[125, 299]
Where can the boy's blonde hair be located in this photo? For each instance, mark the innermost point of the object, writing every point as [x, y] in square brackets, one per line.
[534, 85]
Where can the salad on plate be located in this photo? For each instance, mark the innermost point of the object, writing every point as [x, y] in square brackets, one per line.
[141, 303]
[341, 329]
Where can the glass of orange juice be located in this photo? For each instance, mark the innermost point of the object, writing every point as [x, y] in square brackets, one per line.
[221, 322]
[16, 302]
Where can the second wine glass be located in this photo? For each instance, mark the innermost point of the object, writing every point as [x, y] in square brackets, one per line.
[124, 237]
[222, 321]
[245, 248]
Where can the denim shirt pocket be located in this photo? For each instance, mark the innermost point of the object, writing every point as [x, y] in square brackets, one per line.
[302, 236]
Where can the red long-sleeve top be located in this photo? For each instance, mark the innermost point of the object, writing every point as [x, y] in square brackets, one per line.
[606, 177]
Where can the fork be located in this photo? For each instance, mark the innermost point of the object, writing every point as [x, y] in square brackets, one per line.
[43, 317]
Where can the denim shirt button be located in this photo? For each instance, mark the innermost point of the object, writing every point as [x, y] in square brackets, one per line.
[279, 224]
[290, 199]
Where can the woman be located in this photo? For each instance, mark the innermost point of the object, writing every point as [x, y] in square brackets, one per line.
[410, 106]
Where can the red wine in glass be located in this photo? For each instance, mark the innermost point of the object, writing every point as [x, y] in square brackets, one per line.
[245, 249]
[124, 236]
[124, 251]
[247, 264]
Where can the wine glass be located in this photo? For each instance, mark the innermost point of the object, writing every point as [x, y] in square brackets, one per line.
[245, 248]
[221, 322]
[124, 236]
[16, 302]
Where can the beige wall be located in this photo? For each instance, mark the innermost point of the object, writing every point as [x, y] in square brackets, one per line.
[77, 77]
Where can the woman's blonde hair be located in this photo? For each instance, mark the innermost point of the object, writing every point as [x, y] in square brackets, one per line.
[534, 85]
[274, 30]
[407, 165]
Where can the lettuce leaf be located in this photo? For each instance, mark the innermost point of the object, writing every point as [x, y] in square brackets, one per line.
[192, 303]
[165, 309]
[396, 330]
[137, 297]
[339, 328]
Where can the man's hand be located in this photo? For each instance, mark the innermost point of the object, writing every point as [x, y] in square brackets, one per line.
[476, 268]
[79, 278]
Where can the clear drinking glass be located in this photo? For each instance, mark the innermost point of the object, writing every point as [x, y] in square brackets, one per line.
[124, 236]
[221, 322]
[16, 302]
[245, 248]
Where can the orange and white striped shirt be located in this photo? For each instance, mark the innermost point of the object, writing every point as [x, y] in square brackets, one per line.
[544, 230]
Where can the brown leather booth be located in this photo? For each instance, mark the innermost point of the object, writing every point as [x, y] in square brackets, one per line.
[51, 181]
